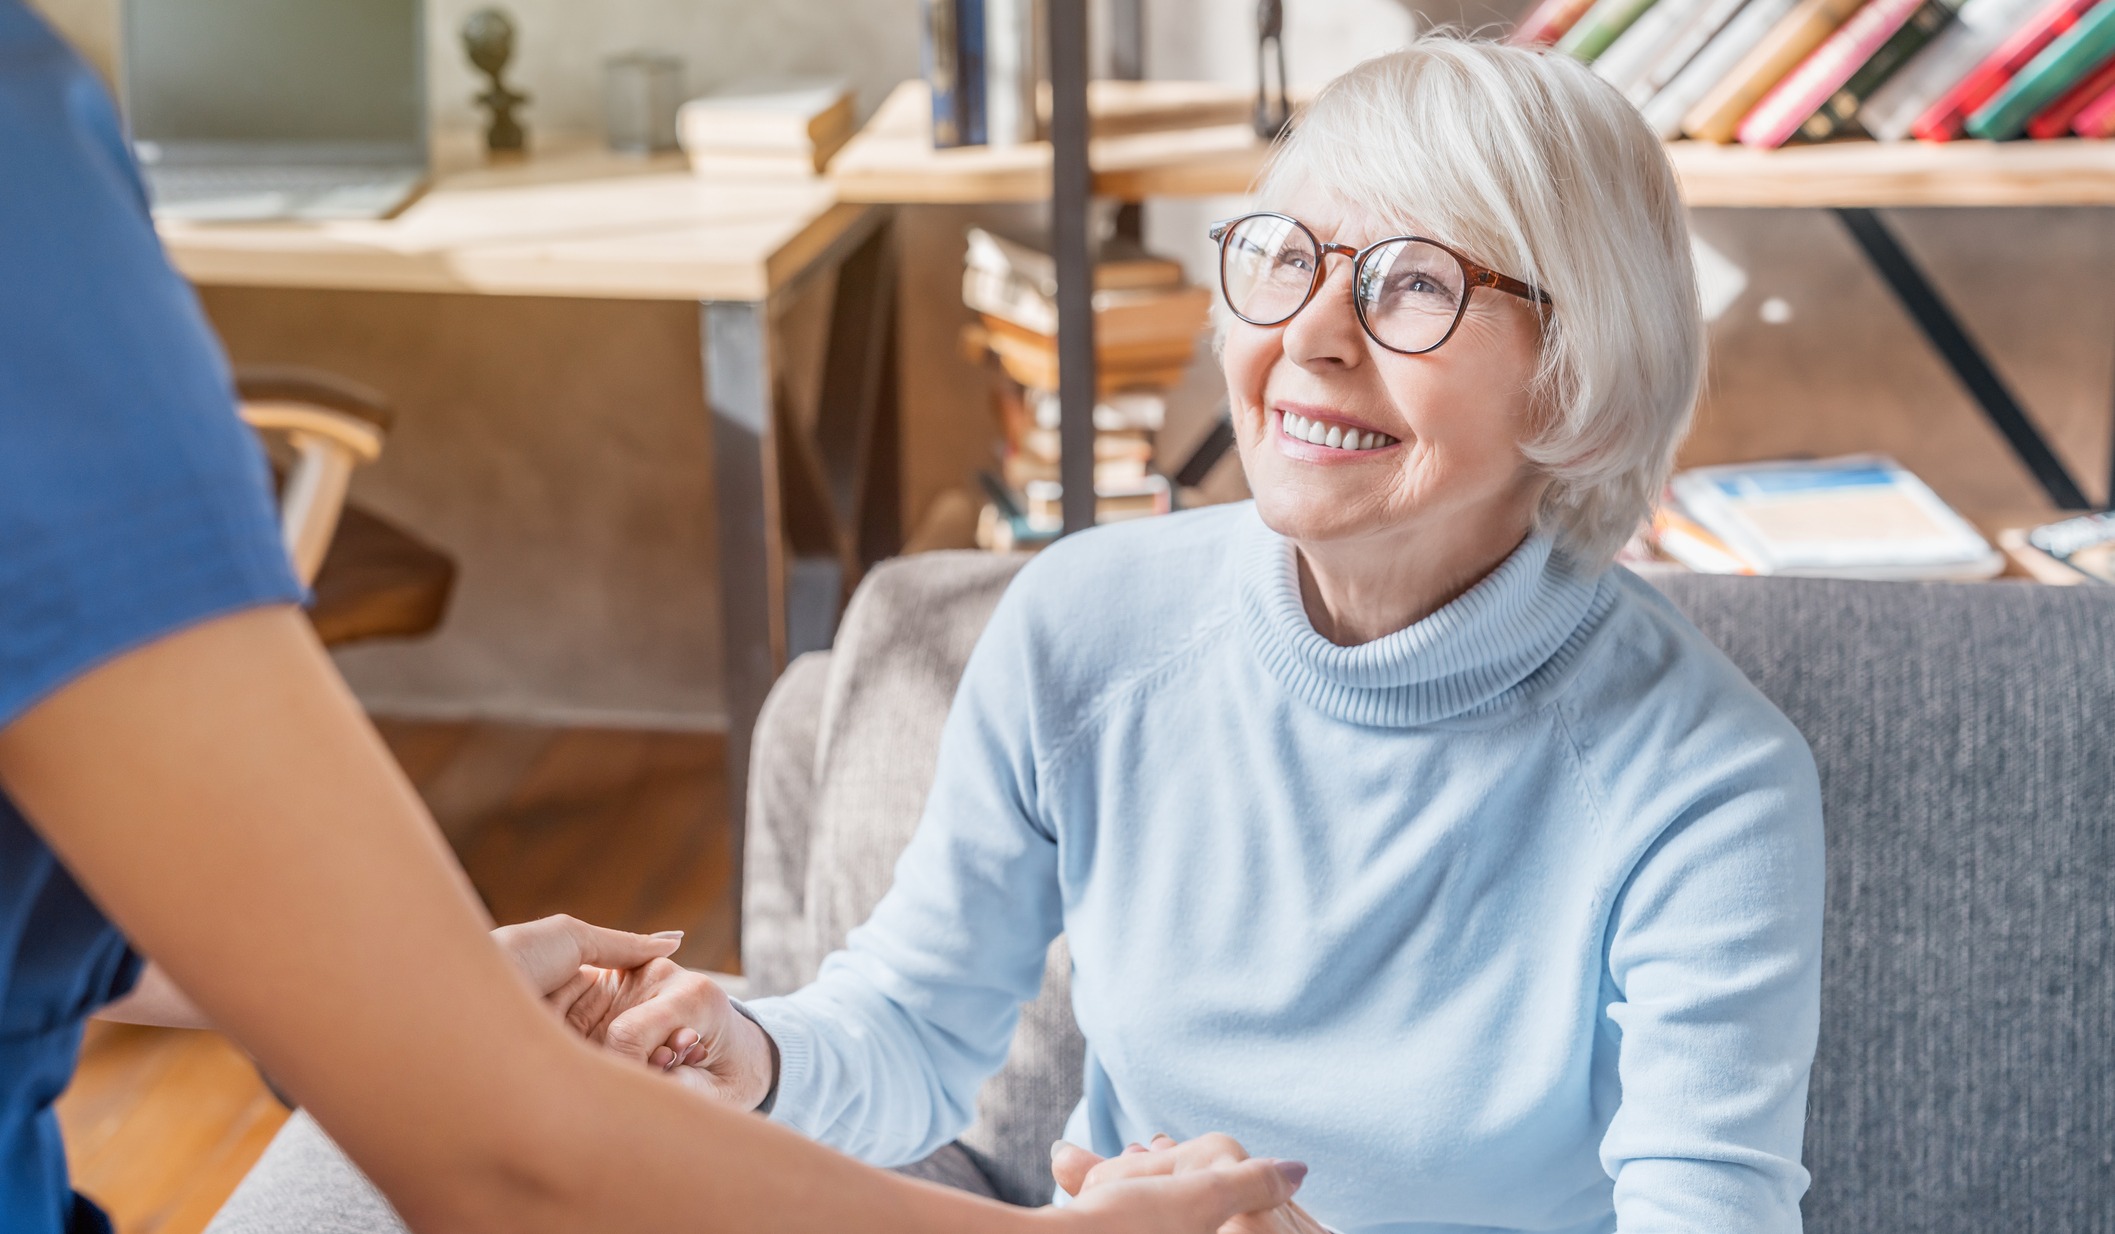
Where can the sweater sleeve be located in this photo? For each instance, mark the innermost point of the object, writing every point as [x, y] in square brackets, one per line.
[882, 1056]
[1715, 958]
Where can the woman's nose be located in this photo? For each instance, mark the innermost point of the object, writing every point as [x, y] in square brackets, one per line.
[1326, 332]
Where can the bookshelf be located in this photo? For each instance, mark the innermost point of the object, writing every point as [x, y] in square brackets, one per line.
[1105, 144]
[891, 161]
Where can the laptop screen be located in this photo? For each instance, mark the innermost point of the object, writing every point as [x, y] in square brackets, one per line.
[327, 79]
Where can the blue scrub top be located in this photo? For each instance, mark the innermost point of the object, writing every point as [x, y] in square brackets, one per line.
[133, 503]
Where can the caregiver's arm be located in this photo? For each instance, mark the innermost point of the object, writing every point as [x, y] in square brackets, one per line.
[1715, 953]
[292, 884]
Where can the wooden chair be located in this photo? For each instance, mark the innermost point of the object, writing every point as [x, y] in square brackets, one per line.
[371, 579]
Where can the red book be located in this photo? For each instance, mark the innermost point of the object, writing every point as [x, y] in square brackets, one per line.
[1945, 119]
[1548, 22]
[2097, 118]
[1773, 120]
[2055, 119]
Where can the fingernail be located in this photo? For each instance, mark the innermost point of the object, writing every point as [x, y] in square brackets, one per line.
[1158, 1136]
[1059, 1146]
[1134, 1148]
[1295, 1172]
[677, 935]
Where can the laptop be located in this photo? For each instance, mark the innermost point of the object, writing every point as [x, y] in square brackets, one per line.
[277, 109]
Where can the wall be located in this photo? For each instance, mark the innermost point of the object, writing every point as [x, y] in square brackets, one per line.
[559, 449]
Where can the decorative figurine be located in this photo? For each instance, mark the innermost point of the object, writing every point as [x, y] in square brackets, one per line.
[1273, 110]
[488, 39]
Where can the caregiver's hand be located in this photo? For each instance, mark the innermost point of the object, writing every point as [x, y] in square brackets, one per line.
[1083, 1174]
[674, 1020]
[551, 950]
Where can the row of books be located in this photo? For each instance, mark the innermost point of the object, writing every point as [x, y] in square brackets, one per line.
[980, 58]
[1146, 321]
[767, 127]
[1766, 72]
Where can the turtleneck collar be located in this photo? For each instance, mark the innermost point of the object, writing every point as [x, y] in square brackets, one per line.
[1462, 659]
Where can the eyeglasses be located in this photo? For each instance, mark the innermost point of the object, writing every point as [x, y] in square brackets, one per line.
[1410, 292]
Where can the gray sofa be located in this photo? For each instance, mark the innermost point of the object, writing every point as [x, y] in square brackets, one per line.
[1966, 741]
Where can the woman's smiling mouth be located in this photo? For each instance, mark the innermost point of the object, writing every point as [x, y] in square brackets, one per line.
[1329, 434]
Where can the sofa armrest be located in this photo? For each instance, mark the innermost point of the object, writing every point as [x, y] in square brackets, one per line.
[776, 952]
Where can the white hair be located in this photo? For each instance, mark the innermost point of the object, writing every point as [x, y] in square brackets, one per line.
[1530, 164]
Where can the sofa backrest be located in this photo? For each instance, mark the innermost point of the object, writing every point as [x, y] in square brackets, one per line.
[1965, 735]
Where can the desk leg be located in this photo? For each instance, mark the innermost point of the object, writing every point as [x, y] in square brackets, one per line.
[739, 390]
[1943, 330]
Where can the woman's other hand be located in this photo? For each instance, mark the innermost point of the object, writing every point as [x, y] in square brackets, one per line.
[1082, 1174]
[551, 950]
[678, 1021]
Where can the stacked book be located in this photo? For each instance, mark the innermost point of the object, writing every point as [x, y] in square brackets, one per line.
[769, 128]
[1767, 72]
[1862, 516]
[2074, 550]
[1146, 322]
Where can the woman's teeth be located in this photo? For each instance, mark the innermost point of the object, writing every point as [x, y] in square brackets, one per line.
[1334, 436]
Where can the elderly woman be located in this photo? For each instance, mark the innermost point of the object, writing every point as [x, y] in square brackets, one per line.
[1392, 827]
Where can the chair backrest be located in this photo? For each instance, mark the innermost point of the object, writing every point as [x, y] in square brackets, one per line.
[331, 425]
[1966, 741]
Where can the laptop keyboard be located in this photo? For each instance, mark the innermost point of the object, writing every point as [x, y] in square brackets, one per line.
[238, 192]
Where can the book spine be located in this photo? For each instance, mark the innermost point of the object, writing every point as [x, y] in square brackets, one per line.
[1627, 59]
[1675, 55]
[1601, 26]
[2067, 58]
[940, 72]
[1718, 115]
[1837, 114]
[1921, 30]
[969, 69]
[2056, 119]
[1712, 62]
[2097, 118]
[1967, 42]
[1009, 72]
[1947, 118]
[1548, 22]
[1824, 71]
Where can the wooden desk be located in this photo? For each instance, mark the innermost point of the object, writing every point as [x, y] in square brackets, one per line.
[799, 516]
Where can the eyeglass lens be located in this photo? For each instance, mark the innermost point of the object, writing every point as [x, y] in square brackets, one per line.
[1409, 292]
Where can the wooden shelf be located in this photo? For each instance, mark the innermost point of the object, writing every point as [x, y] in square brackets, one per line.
[891, 160]
[2066, 172]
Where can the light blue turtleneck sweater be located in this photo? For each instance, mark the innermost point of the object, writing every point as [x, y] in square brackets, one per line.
[1508, 921]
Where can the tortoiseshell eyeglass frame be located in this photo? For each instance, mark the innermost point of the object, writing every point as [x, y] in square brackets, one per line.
[1474, 275]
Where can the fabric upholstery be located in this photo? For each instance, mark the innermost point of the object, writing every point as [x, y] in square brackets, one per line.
[775, 841]
[1965, 733]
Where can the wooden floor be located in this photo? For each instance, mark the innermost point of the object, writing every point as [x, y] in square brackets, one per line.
[622, 828]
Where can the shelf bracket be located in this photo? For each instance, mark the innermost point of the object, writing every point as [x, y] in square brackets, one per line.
[1947, 336]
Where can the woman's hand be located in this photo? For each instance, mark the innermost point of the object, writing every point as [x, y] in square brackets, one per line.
[1082, 1174]
[674, 1020]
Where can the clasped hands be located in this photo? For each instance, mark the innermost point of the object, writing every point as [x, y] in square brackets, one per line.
[621, 991]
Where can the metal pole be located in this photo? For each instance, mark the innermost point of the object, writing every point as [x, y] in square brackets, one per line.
[1072, 248]
[1943, 330]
